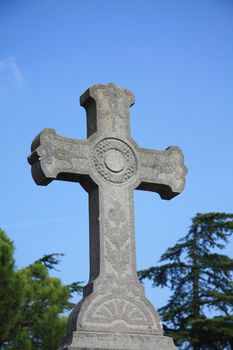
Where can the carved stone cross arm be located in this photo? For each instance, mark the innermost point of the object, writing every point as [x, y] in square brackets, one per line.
[56, 157]
[162, 171]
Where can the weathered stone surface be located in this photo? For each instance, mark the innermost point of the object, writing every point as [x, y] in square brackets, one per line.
[114, 313]
[118, 341]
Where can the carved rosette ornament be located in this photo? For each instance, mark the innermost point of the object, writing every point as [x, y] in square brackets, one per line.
[123, 314]
[114, 160]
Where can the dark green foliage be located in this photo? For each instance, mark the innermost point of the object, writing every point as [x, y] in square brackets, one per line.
[50, 260]
[199, 312]
[11, 289]
[31, 302]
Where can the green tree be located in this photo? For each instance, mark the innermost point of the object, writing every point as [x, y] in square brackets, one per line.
[32, 303]
[199, 312]
[11, 289]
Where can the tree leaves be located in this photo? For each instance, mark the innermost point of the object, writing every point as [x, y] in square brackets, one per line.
[32, 303]
[199, 312]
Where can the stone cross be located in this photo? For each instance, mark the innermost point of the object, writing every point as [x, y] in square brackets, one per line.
[109, 165]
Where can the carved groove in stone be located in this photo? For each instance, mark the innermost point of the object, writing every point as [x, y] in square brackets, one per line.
[116, 214]
[116, 309]
[124, 163]
[117, 248]
[120, 310]
[63, 153]
[54, 148]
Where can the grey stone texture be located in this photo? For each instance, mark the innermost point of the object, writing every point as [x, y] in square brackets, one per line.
[109, 165]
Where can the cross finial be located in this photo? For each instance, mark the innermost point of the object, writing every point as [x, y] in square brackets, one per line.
[107, 108]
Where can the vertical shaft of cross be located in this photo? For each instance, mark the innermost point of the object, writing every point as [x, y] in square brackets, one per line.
[112, 242]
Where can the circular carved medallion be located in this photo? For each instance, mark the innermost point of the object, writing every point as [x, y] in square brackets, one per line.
[114, 160]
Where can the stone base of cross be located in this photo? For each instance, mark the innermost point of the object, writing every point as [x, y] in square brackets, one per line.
[109, 165]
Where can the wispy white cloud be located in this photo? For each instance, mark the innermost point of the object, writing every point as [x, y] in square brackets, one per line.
[35, 222]
[10, 68]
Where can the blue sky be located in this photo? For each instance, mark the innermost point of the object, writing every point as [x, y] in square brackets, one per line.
[177, 58]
